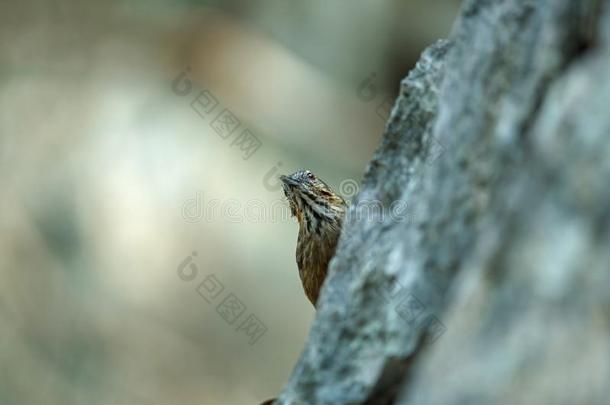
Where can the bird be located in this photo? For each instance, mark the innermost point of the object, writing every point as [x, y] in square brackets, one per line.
[320, 213]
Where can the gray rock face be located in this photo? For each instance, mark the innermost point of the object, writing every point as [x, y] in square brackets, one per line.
[474, 265]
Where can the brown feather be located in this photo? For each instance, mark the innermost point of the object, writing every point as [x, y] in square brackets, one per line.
[320, 213]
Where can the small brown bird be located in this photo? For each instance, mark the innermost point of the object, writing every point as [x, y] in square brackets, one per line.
[320, 214]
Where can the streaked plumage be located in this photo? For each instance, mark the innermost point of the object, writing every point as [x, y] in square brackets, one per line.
[320, 214]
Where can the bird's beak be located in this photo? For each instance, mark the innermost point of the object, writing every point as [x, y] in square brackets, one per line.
[288, 181]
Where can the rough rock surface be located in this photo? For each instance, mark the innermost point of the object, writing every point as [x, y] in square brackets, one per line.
[495, 288]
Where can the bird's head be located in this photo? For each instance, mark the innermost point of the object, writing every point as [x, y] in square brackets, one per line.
[312, 201]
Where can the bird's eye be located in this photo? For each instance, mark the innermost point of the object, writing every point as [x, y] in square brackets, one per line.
[310, 176]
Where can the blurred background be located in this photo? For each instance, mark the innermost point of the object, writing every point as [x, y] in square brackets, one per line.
[147, 255]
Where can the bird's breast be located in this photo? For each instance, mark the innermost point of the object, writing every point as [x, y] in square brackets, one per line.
[313, 255]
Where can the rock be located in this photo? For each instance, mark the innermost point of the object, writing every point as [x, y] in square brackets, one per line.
[473, 265]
